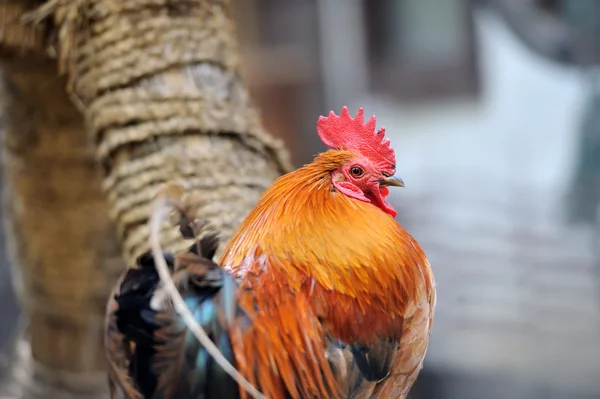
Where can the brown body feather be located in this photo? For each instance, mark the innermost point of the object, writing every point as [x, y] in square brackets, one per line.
[316, 266]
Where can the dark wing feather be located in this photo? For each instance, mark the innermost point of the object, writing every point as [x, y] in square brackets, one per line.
[118, 348]
[358, 368]
[184, 367]
[131, 326]
[375, 361]
[167, 361]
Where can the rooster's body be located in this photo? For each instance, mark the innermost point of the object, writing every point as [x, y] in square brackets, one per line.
[335, 298]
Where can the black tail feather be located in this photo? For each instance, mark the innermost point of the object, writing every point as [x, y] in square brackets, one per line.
[166, 360]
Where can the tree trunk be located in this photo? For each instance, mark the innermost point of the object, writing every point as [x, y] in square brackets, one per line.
[160, 85]
[65, 256]
[64, 253]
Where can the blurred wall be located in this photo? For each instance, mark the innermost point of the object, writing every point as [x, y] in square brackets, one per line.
[521, 130]
[486, 179]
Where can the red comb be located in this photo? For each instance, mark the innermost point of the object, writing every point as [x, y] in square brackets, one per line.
[346, 133]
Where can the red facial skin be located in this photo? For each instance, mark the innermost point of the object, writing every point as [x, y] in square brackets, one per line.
[360, 179]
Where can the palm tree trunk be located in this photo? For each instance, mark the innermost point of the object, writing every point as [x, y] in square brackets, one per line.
[160, 83]
[64, 252]
[160, 86]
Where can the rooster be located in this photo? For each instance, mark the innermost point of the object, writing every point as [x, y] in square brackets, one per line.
[319, 294]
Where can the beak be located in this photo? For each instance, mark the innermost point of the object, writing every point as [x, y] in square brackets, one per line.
[391, 181]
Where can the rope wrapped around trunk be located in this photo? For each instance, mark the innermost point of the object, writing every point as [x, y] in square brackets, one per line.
[159, 82]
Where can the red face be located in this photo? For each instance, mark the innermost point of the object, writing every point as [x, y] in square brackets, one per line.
[361, 180]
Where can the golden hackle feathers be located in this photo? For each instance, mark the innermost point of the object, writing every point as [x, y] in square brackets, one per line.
[371, 262]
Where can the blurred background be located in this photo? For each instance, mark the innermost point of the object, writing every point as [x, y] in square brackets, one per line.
[494, 110]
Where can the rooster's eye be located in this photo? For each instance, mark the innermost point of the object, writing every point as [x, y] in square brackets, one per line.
[356, 171]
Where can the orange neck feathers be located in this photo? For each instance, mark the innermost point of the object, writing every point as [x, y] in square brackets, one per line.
[315, 238]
